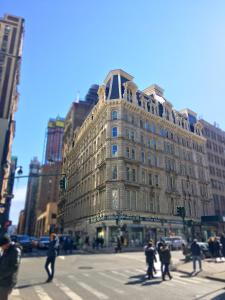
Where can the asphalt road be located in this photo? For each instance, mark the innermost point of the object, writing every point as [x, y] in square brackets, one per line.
[108, 276]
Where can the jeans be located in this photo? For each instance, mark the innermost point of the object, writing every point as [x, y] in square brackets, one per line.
[4, 292]
[50, 261]
[150, 270]
[197, 258]
[166, 271]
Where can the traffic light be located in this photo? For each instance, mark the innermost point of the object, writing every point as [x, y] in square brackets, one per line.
[62, 184]
[181, 211]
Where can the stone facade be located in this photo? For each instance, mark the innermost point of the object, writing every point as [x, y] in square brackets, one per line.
[132, 162]
[215, 147]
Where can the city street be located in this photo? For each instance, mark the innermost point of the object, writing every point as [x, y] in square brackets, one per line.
[108, 276]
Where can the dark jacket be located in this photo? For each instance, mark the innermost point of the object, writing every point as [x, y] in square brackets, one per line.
[52, 249]
[195, 249]
[150, 255]
[9, 266]
[165, 255]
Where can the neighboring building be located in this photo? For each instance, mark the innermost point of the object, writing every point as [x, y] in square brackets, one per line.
[11, 37]
[74, 119]
[134, 160]
[55, 131]
[20, 227]
[215, 147]
[46, 221]
[31, 198]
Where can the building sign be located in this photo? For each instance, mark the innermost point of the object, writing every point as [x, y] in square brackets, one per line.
[114, 217]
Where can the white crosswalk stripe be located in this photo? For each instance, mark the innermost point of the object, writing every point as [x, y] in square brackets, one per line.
[15, 292]
[69, 293]
[93, 291]
[41, 293]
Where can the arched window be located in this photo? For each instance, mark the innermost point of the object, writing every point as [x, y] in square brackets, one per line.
[114, 115]
[114, 132]
[114, 150]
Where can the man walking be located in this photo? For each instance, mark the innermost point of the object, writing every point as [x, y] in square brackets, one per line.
[51, 256]
[150, 258]
[9, 266]
[165, 257]
[196, 255]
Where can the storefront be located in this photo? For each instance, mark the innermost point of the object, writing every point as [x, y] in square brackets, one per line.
[135, 231]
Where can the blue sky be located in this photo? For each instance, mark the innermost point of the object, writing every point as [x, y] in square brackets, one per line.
[71, 44]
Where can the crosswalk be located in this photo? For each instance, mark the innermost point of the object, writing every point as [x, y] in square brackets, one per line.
[115, 284]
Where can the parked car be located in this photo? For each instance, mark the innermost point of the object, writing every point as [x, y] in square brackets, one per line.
[43, 242]
[174, 242]
[24, 241]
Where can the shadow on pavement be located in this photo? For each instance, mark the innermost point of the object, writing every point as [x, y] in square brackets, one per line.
[142, 280]
[24, 286]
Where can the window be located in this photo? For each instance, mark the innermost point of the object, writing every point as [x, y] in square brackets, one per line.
[114, 115]
[114, 150]
[132, 135]
[141, 124]
[133, 154]
[133, 174]
[157, 180]
[114, 132]
[143, 176]
[142, 157]
[127, 152]
[114, 172]
[128, 173]
[150, 179]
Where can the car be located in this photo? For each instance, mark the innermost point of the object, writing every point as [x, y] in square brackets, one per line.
[34, 241]
[43, 242]
[24, 241]
[174, 242]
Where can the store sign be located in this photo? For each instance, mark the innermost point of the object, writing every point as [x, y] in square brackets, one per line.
[114, 217]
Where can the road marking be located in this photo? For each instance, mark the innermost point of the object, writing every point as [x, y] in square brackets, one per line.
[110, 277]
[41, 293]
[61, 257]
[118, 273]
[92, 290]
[15, 292]
[116, 290]
[179, 281]
[118, 280]
[71, 294]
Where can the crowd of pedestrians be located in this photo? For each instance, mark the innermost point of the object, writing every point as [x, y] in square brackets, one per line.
[217, 247]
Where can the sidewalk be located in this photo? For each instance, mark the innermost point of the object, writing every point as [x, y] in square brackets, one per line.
[211, 269]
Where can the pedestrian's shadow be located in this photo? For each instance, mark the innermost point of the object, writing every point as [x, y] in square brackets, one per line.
[142, 280]
[24, 286]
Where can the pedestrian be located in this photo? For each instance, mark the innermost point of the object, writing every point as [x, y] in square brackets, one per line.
[222, 241]
[118, 247]
[9, 266]
[150, 259]
[211, 246]
[217, 253]
[51, 256]
[165, 257]
[159, 248]
[196, 255]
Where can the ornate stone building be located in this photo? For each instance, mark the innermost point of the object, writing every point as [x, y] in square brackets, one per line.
[133, 161]
[215, 147]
